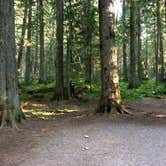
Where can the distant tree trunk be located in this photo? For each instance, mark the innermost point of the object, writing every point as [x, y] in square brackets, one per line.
[21, 44]
[10, 110]
[69, 47]
[140, 68]
[125, 75]
[59, 91]
[42, 73]
[88, 42]
[37, 38]
[110, 95]
[28, 51]
[165, 10]
[134, 80]
[159, 48]
[146, 61]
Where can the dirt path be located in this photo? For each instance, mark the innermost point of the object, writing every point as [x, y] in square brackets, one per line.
[81, 139]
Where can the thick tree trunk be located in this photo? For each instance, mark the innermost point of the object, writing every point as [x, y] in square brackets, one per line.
[134, 80]
[28, 51]
[9, 101]
[59, 91]
[21, 44]
[110, 97]
[42, 73]
[125, 75]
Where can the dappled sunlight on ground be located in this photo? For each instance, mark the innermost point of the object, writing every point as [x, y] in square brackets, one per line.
[50, 110]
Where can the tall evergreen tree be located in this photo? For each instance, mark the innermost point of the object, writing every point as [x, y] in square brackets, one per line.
[29, 45]
[124, 33]
[9, 100]
[21, 44]
[42, 73]
[110, 94]
[133, 79]
[59, 91]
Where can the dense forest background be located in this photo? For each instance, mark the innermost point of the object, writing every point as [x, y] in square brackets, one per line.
[141, 26]
[85, 41]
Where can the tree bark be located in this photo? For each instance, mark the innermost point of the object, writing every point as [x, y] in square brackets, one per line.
[37, 39]
[88, 41]
[133, 80]
[159, 48]
[21, 44]
[9, 101]
[139, 47]
[124, 33]
[28, 51]
[110, 94]
[42, 73]
[69, 47]
[146, 61]
[59, 91]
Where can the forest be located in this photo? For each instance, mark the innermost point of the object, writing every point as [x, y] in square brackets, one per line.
[81, 63]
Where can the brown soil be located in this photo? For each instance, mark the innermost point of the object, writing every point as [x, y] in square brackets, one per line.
[68, 133]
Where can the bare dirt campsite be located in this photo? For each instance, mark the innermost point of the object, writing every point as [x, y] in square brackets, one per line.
[82, 83]
[75, 136]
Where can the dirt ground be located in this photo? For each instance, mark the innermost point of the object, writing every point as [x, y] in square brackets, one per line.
[69, 134]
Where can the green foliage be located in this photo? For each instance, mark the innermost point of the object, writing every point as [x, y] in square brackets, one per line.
[46, 91]
[147, 89]
[36, 90]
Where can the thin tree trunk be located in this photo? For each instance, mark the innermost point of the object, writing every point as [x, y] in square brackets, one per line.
[140, 68]
[146, 61]
[37, 38]
[125, 75]
[69, 48]
[42, 73]
[88, 41]
[21, 44]
[159, 51]
[28, 51]
[9, 101]
[59, 91]
[134, 80]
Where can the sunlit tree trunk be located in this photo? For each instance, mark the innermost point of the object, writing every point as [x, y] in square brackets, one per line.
[10, 110]
[110, 95]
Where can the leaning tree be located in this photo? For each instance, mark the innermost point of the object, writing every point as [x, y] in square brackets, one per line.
[10, 110]
[110, 95]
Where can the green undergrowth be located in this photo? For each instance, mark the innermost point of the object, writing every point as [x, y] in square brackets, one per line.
[46, 91]
[147, 89]
[36, 90]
